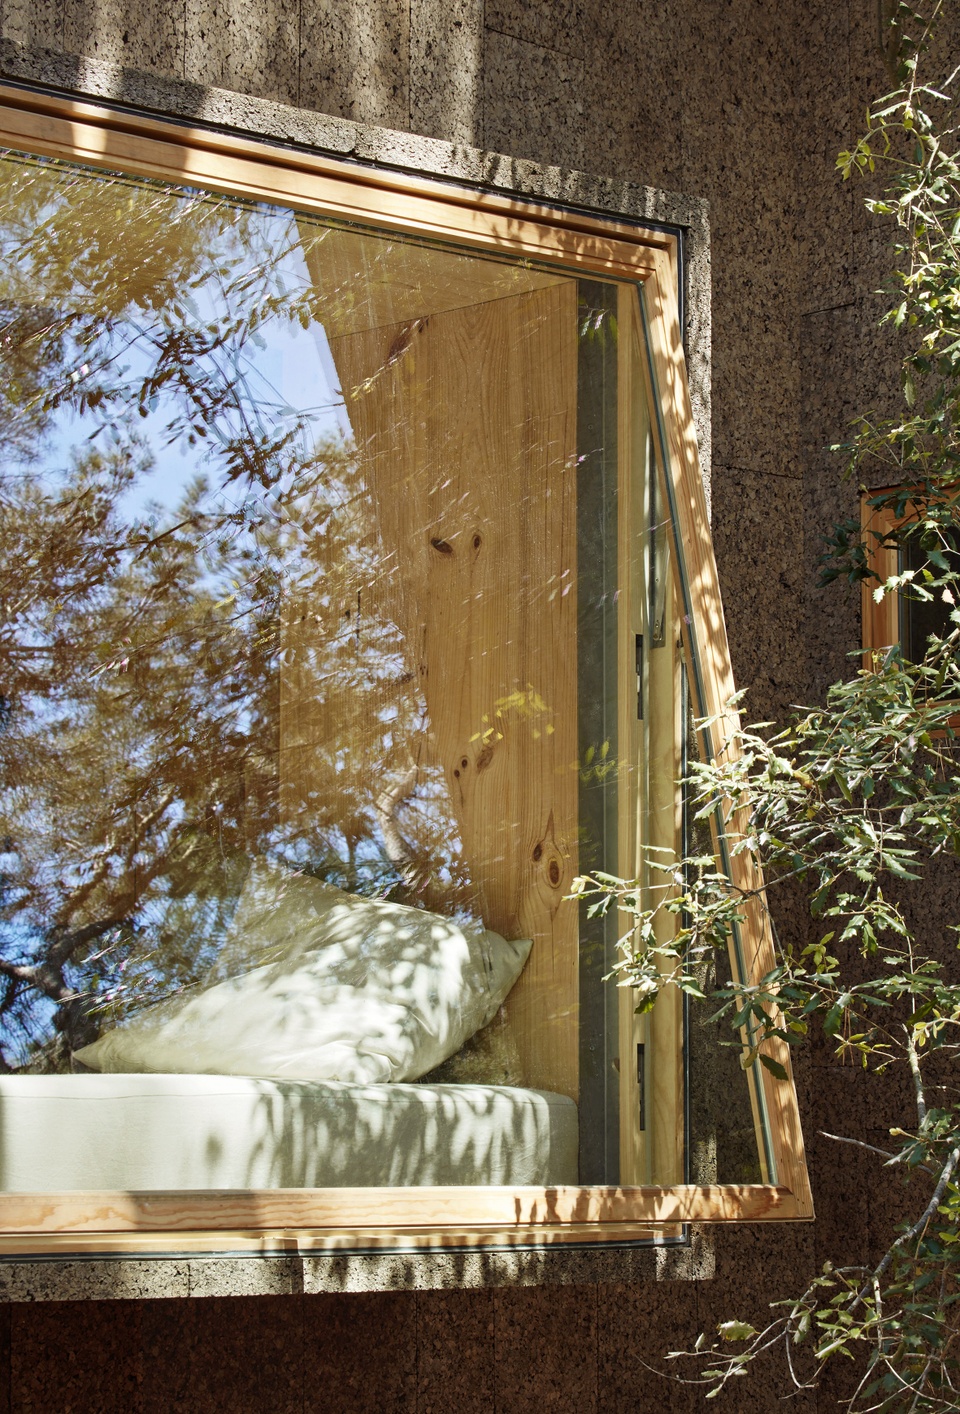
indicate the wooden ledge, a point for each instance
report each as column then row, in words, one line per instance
column 597, row 1213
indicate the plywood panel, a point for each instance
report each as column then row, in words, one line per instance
column 362, row 280
column 465, row 424
column 355, row 791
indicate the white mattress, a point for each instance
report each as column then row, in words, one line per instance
column 61, row 1132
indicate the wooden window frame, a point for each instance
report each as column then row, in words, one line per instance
column 880, row 619
column 407, row 1218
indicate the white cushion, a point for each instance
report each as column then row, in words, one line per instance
column 346, row 989
column 135, row 1132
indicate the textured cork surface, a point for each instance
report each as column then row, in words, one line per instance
column 741, row 107
column 132, row 1278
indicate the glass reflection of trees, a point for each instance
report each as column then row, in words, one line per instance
column 185, row 553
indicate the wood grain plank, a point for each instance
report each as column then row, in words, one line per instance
column 398, row 1209
column 466, row 424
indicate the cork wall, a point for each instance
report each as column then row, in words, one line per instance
column 744, row 105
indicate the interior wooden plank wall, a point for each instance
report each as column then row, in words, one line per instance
column 465, row 422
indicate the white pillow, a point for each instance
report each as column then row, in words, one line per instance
column 347, row 989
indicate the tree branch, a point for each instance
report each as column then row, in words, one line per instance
column 946, row 1173
column 913, row 1061
column 870, row 1148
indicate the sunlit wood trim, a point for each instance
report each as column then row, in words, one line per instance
column 601, row 1211
column 306, row 1243
column 708, row 655
column 84, row 132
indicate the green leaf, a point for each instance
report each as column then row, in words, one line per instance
column 833, row 1019
column 774, row 1066
column 736, row 1330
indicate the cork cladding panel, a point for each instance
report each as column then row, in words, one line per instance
column 741, row 104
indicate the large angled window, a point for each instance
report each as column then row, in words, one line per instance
column 357, row 596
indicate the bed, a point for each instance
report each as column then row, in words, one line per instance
column 69, row 1132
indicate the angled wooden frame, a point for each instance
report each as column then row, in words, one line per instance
column 311, row 1219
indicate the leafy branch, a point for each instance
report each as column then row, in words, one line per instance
column 855, row 802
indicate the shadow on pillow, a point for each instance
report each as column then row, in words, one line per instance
column 346, row 988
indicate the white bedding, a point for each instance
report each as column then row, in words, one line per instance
column 326, row 986
column 62, row 1132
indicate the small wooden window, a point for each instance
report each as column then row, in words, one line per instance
column 361, row 593
column 895, row 617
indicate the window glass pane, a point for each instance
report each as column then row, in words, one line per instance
column 339, row 636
